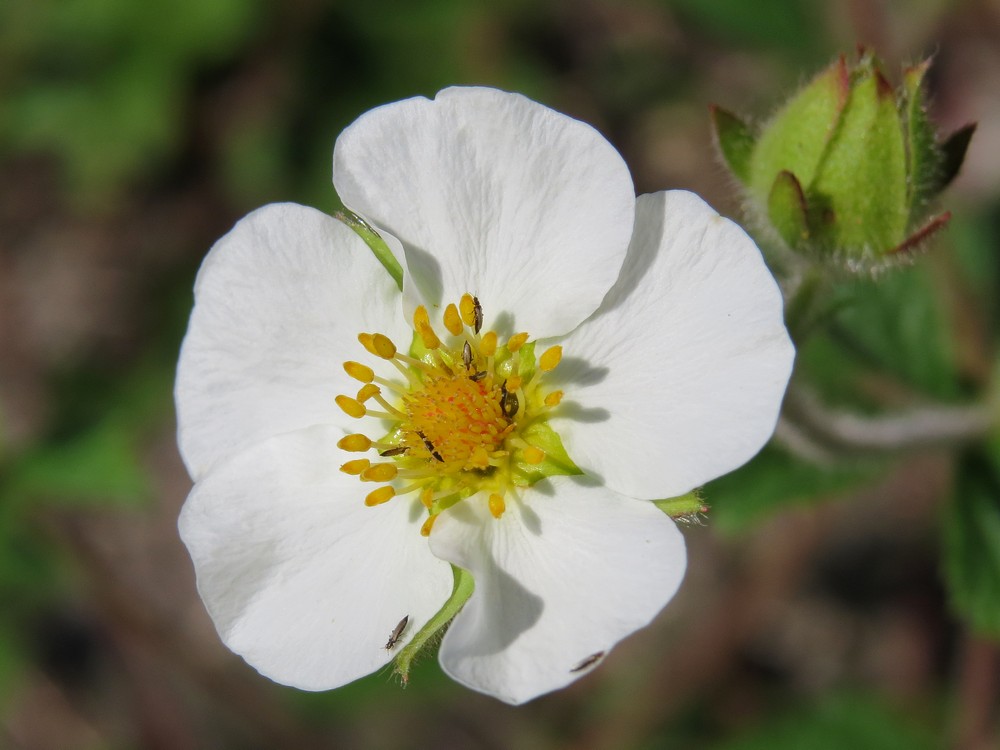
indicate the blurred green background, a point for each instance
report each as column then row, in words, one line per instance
column 817, row 612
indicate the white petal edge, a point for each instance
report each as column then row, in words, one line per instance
column 678, row 377
column 560, row 578
column 303, row 580
column 279, row 302
column 495, row 195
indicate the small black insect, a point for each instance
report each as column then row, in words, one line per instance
column 397, row 451
column 477, row 376
column 467, row 355
column 508, row 401
column 396, row 633
column 430, row 447
column 477, row 314
column 588, row 662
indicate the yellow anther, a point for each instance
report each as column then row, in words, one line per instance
column 379, row 473
column 427, row 497
column 352, row 407
column 420, row 317
column 554, row 398
column 550, row 359
column 467, row 305
column 488, row 346
column 368, row 342
column 516, row 341
column 356, row 466
column 479, row 459
column 356, row 443
column 425, row 530
column 383, row 347
column 430, row 339
column 497, row 505
column 359, row 371
column 452, row 320
column 534, row 455
column 367, row 391
column 513, row 382
column 381, row 495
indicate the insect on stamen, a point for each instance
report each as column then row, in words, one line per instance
column 467, row 355
column 430, row 447
column 478, row 376
column 477, row 314
column 397, row 632
column 397, row 451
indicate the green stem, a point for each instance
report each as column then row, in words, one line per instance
column 430, row 633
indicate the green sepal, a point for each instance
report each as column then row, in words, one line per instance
column 735, row 141
column 972, row 544
column 683, row 508
column 432, row 632
column 375, row 243
column 557, row 462
column 787, row 209
column 858, row 201
column 924, row 157
column 953, row 151
column 797, row 137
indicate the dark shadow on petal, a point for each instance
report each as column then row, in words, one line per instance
column 577, row 371
column 646, row 236
column 426, row 272
column 531, row 520
column 580, row 413
column 590, row 479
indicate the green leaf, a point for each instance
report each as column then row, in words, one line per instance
column 735, row 141
column 954, row 149
column 797, row 137
column 787, row 209
column 859, row 195
column 972, row 543
column 774, row 481
column 924, row 157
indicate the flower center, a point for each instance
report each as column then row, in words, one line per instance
column 461, row 417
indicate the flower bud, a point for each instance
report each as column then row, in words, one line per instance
column 847, row 168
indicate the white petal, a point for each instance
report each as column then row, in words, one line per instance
column 302, row 579
column 560, row 578
column 678, row 377
column 494, row 195
column 279, row 302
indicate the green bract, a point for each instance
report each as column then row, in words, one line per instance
column 847, row 168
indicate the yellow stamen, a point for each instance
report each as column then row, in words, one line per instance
column 554, row 398
column 480, row 459
column 488, row 346
column 534, row 455
column 368, row 342
column 383, row 347
column 513, row 382
column 430, row 339
column 425, row 530
column 420, row 317
column 355, row 443
column 381, row 495
column 550, row 359
column 452, row 320
column 467, row 305
column 356, row 466
column 352, row 407
column 359, row 371
column 427, row 497
column 379, row 473
column 497, row 505
column 367, row 391
column 516, row 341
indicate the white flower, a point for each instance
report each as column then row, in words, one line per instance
column 675, row 363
